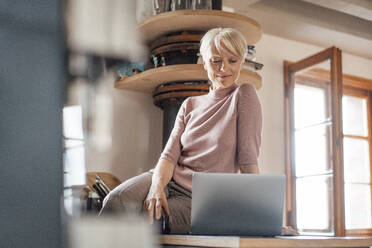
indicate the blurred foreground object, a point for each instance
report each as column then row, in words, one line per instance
column 106, row 28
column 112, row 231
column 100, row 35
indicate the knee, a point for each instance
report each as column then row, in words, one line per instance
column 111, row 203
column 128, row 196
column 121, row 200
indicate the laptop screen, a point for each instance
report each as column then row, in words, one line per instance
column 237, row 204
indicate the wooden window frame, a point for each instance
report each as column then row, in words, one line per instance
column 352, row 85
column 332, row 54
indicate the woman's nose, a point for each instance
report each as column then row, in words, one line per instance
column 223, row 66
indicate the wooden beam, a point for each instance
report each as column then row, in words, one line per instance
column 338, row 169
column 369, row 113
column 289, row 145
column 310, row 61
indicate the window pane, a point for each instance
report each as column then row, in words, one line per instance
column 72, row 122
column 72, row 143
column 311, row 151
column 354, row 115
column 356, row 160
column 74, row 166
column 313, row 199
column 357, row 206
column 309, row 105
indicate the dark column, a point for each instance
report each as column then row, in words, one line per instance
column 169, row 116
column 217, row 4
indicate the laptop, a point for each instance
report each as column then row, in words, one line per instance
column 237, row 204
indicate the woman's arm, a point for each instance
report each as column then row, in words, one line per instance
column 156, row 198
column 249, row 129
column 249, row 168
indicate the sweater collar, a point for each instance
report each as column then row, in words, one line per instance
column 221, row 93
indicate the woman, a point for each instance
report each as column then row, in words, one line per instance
column 217, row 132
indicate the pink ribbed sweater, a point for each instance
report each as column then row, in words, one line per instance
column 215, row 132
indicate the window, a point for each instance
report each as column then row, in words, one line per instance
column 73, row 157
column 357, row 163
column 313, row 174
column 328, row 147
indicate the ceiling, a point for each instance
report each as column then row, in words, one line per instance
column 346, row 24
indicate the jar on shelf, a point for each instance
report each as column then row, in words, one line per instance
column 161, row 6
column 180, row 4
column 251, row 53
column 201, row 4
column 127, row 69
column 94, row 203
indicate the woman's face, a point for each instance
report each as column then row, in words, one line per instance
column 223, row 68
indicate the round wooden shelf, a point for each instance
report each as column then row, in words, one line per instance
column 147, row 81
column 198, row 20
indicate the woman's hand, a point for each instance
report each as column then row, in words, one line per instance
column 156, row 200
column 249, row 168
column 289, row 231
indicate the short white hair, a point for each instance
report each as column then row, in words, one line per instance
column 227, row 39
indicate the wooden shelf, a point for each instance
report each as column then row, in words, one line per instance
column 198, row 20
column 147, row 81
column 189, row 20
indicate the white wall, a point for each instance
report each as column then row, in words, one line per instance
column 125, row 133
column 135, row 124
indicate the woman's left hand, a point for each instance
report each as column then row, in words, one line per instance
column 249, row 168
column 156, row 200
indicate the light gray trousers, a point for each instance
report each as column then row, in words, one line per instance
column 130, row 195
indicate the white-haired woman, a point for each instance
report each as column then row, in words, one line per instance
column 216, row 132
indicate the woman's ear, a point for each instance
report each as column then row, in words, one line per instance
column 205, row 67
column 242, row 63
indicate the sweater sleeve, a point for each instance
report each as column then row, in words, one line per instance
column 249, row 125
column 172, row 150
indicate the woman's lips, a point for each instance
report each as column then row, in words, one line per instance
column 223, row 76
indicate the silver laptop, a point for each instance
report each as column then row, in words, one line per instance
column 237, row 204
